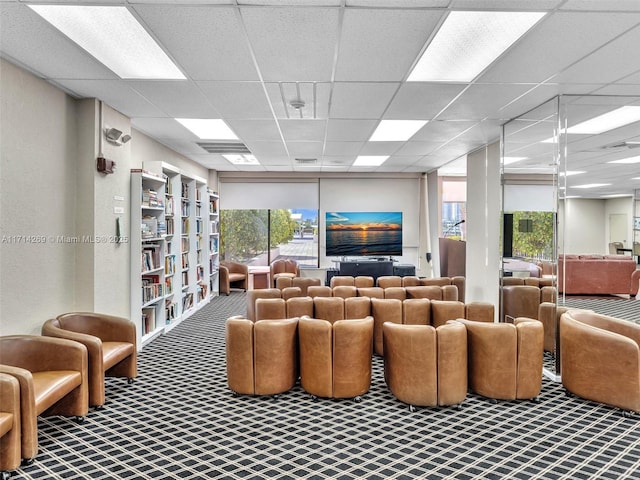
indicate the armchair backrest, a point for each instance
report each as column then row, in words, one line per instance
column 270, row 309
column 299, row 307
column 342, row 280
column 328, row 308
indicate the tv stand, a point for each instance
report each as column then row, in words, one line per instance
column 372, row 268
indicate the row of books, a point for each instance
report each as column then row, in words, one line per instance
column 187, row 302
column 148, row 320
column 170, row 310
column 150, row 198
column 150, row 257
column 151, row 288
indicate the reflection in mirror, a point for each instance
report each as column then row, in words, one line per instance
column 529, row 173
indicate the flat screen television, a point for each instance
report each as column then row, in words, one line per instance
column 353, row 234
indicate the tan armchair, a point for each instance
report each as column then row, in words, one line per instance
column 262, row 357
column 426, row 366
column 111, row 345
column 505, row 359
column 283, row 267
column 53, row 378
column 335, row 359
column 9, row 424
column 600, row 358
column 233, row 275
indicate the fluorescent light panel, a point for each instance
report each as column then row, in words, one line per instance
column 244, row 159
column 114, row 37
column 627, row 160
column 590, row 185
column 396, row 130
column 510, row 160
column 370, row 160
column 568, row 173
column 608, row 121
column 208, row 128
column 468, row 42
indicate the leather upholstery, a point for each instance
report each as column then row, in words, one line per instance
column 505, row 359
column 433, row 292
column 549, row 314
column 9, row 423
column 444, row 310
column 299, row 307
column 289, row 292
column 416, row 311
column 363, row 281
column 270, row 309
column 398, row 293
column 598, row 274
column 342, row 280
column 357, row 307
column 335, row 359
column 426, row 366
column 111, row 345
column 329, row 308
column 387, row 281
column 319, row 291
column 304, row 283
column 520, row 301
column 262, row 356
column 233, row 275
column 480, row 311
column 53, row 378
column 283, row 267
column 253, row 295
column 600, row 358
column 371, row 292
column 384, row 310
column 344, row 291
column 413, row 281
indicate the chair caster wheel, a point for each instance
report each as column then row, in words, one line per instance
column 27, row 461
column 459, row 406
column 276, row 397
column 314, row 398
column 535, row 399
column 5, row 475
column 79, row 419
column 98, row 407
column 412, row 408
column 493, row 401
column 357, row 399
column 130, row 380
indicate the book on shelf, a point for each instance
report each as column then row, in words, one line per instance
column 202, row 291
column 199, row 273
column 150, row 257
column 151, row 288
column 187, row 301
column 184, row 210
column 184, row 190
column 169, row 225
column 148, row 320
column 185, row 226
column 169, row 264
column 185, row 260
column 168, row 207
column 198, row 210
column 171, row 310
column 149, row 227
column 185, row 279
column 184, row 244
column 168, row 186
column 150, row 198
column 168, row 285
column 213, row 206
column 198, row 226
column 213, row 227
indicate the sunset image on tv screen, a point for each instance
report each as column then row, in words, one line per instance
column 363, row 233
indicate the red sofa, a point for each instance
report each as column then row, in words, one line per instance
column 598, row 274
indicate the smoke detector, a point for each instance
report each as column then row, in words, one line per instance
column 297, row 104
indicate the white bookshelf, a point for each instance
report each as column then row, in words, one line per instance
column 213, row 244
column 148, row 229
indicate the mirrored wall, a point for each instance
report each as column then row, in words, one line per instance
column 571, row 193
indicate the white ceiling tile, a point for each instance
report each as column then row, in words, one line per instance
column 303, row 130
column 274, row 160
column 237, row 99
column 305, row 149
column 361, row 100
column 380, row 148
column 602, row 5
column 176, row 98
column 527, row 5
column 305, row 3
column 613, row 61
column 350, row 130
column 36, row 44
column 203, row 2
column 185, row 147
column 255, row 130
column 166, row 128
column 421, row 101
column 393, row 37
column 267, row 149
column 558, row 41
column 481, row 101
column 533, row 97
column 293, row 44
column 417, row 148
column 116, row 94
column 442, row 131
column 338, row 160
column 207, row 43
column 342, row 148
column 398, row 3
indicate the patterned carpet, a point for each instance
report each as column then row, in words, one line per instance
column 180, row 421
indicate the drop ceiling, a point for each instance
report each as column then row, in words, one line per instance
column 348, row 60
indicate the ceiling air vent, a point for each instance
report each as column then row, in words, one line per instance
column 306, row 161
column 224, row 147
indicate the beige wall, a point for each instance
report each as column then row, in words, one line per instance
column 57, row 212
column 38, row 138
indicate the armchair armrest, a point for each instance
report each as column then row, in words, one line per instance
column 108, row 328
column 28, row 415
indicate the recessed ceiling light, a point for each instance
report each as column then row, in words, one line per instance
column 370, row 160
column 608, row 121
column 113, row 36
column 568, row 173
column 627, row 160
column 468, row 42
column 396, row 130
column 208, row 128
column 590, row 185
column 510, row 160
column 243, row 159
column 616, row 195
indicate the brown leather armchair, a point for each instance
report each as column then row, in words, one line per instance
column 283, row 267
column 253, row 295
column 233, row 275
column 262, row 357
column 426, row 366
column 9, row 424
column 335, row 359
column 384, row 310
column 505, row 359
column 524, row 300
column 111, row 344
column 330, row 309
column 600, row 358
column 270, row 309
column 304, row 283
column 342, row 281
column 53, row 378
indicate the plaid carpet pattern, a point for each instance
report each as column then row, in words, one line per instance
column 180, row 421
